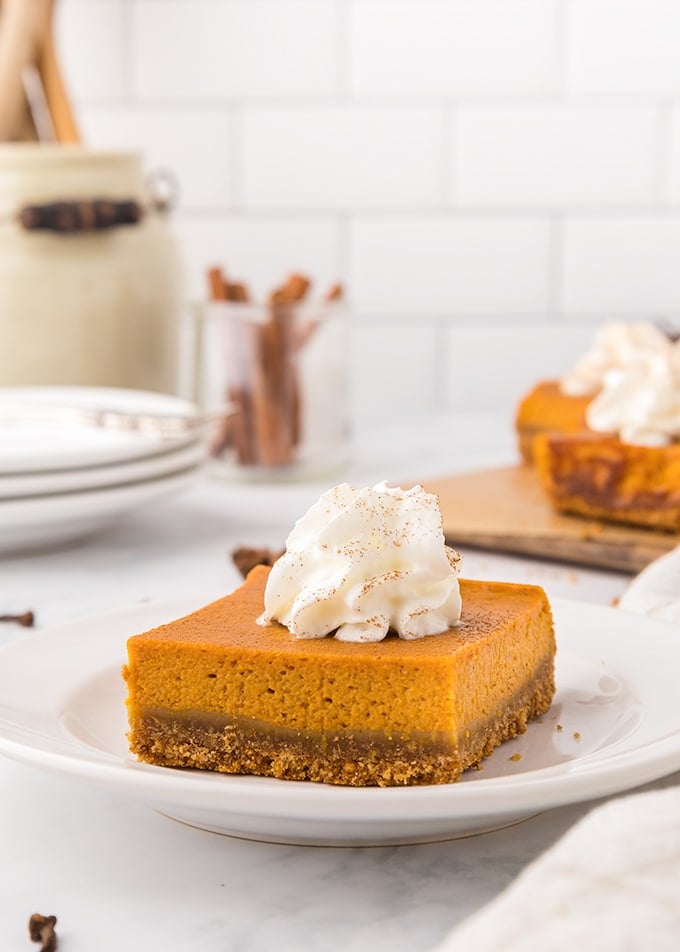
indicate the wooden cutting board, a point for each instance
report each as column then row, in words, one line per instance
column 507, row 511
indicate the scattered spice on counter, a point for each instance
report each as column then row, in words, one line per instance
column 245, row 558
column 25, row 619
column 41, row 929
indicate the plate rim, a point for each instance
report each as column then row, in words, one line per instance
column 32, row 524
column 99, row 494
column 89, row 396
column 124, row 473
column 597, row 773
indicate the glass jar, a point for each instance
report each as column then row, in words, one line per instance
column 280, row 373
column 97, row 308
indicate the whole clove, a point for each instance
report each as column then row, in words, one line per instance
column 41, row 929
column 672, row 331
column 246, row 558
column 25, row 619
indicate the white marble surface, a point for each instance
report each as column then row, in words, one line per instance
column 119, row 876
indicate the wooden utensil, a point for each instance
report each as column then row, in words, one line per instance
column 27, row 52
column 20, row 38
column 63, row 120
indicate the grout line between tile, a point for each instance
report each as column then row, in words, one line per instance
column 562, row 14
column 663, row 169
column 556, row 264
column 457, row 213
column 449, row 156
column 441, row 340
column 236, row 159
column 342, row 47
column 344, row 255
column 397, row 101
column 128, row 58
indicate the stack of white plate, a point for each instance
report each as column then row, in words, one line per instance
column 73, row 459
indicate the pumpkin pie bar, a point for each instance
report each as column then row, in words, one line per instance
column 547, row 409
column 606, row 439
column 605, row 478
column 571, row 405
column 217, row 691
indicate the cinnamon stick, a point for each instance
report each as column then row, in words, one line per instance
column 334, row 293
column 292, row 291
column 265, row 409
column 237, row 292
column 236, row 429
column 306, row 330
column 239, row 332
column 285, row 322
column 217, row 284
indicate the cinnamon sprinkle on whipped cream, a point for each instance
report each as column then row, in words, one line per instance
column 362, row 562
column 616, row 347
column 633, row 374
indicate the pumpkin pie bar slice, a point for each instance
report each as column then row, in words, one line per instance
column 605, row 478
column 216, row 691
column 564, row 407
column 547, row 409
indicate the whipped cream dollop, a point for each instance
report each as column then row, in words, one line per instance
column 616, row 347
column 363, row 561
column 640, row 403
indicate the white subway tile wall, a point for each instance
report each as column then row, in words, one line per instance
column 623, row 46
column 442, row 49
column 556, row 155
column 490, row 179
column 342, row 157
column 449, row 265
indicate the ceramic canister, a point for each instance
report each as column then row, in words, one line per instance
column 92, row 307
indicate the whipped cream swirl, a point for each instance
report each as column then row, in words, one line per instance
column 641, row 403
column 616, row 346
column 363, row 561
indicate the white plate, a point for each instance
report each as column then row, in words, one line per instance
column 40, row 521
column 62, row 709
column 98, row 477
column 42, row 446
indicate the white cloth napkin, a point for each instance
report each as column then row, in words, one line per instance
column 656, row 591
column 612, row 883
